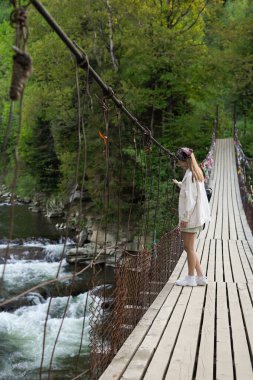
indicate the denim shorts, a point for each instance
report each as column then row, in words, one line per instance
column 192, row 230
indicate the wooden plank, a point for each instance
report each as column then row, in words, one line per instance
column 232, row 226
column 178, row 268
column 212, row 183
column 166, row 339
column 233, row 194
column 183, row 359
column 218, row 224
column 206, row 349
column 211, row 262
column 126, row 352
column 245, row 263
column 219, row 275
column 236, row 263
column 224, row 360
column 250, row 287
column 247, row 311
column 205, row 256
column 159, row 362
column 210, row 233
column 242, row 359
column 140, row 360
column 225, row 227
column 248, row 253
column 226, row 262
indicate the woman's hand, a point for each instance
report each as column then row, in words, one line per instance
column 175, row 182
column 183, row 224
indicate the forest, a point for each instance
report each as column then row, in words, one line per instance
column 176, row 65
column 89, row 231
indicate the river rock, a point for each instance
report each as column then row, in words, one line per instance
column 87, row 249
column 38, row 203
column 82, row 237
column 54, row 214
column 28, row 300
column 23, row 253
column 82, row 254
column 60, row 226
column 99, row 236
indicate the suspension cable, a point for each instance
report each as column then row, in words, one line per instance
column 83, row 62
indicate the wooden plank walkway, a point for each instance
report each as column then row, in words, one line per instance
column 202, row 332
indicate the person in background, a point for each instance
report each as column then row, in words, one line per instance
column 194, row 212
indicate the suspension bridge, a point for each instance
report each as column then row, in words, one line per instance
column 201, row 333
column 148, row 328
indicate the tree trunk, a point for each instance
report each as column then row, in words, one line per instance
column 110, row 24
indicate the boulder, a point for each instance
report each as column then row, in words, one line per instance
column 82, row 237
column 87, row 250
column 54, row 214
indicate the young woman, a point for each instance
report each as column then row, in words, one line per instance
column 194, row 211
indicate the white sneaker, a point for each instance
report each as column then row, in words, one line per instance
column 201, row 280
column 187, row 281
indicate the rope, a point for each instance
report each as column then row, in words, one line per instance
column 80, row 130
column 48, row 282
column 22, row 63
column 83, row 62
column 13, row 190
column 143, row 141
column 82, row 332
column 157, row 199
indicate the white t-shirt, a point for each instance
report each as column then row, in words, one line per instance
column 193, row 204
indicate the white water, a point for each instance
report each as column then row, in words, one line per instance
column 24, row 274
column 9, row 204
column 22, row 331
column 21, row 334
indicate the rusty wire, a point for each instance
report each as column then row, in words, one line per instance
column 139, row 277
column 81, row 150
column 245, row 178
column 139, row 274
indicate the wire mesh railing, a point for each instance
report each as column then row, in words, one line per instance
column 133, row 195
column 139, row 277
column 245, row 177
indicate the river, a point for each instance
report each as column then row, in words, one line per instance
column 33, row 258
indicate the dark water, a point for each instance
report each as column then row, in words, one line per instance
column 26, row 223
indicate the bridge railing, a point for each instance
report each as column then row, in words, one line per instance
column 139, row 277
column 245, row 177
column 131, row 188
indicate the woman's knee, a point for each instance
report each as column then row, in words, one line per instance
column 190, row 252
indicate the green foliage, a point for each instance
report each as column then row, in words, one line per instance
column 26, row 185
column 171, row 64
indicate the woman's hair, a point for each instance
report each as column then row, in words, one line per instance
column 187, row 155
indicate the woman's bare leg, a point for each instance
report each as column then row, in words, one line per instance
column 192, row 257
column 198, row 266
